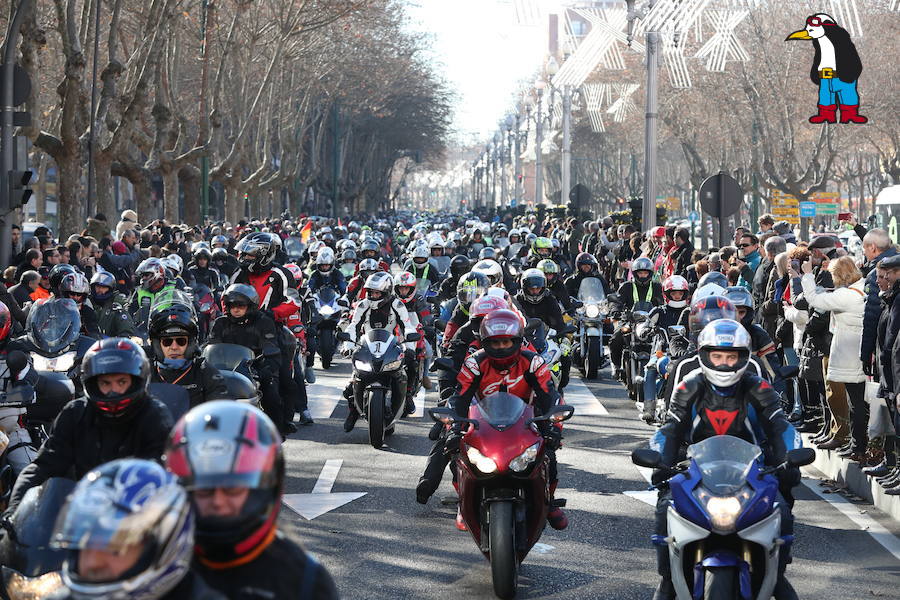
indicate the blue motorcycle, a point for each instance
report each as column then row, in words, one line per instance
column 724, row 523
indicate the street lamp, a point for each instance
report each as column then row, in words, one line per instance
column 566, row 159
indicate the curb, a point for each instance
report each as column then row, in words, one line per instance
column 849, row 475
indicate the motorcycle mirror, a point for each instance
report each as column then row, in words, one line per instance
column 577, row 303
column 645, row 457
column 440, row 324
column 342, row 336
column 614, row 298
column 799, row 457
column 16, row 361
column 442, row 415
column 561, row 413
column 343, row 302
column 413, row 337
column 533, row 324
column 442, row 364
column 654, row 318
column 639, row 316
column 677, row 330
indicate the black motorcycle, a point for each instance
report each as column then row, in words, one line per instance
column 326, row 311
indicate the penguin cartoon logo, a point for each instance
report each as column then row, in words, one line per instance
column 835, row 69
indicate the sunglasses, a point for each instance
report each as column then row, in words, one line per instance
column 178, row 341
column 744, row 245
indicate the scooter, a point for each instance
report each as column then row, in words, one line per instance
column 724, row 523
column 502, row 480
column 378, row 365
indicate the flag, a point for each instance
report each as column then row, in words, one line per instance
column 306, row 232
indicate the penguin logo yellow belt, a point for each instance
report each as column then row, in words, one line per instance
column 827, row 73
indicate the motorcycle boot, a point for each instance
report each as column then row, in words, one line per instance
column 353, row 415
column 555, row 516
column 665, row 590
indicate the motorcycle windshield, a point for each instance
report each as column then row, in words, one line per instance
column 227, row 356
column 591, row 291
column 348, row 269
column 293, row 247
column 382, row 336
column 724, row 462
column 53, row 325
column 442, row 263
column 501, row 409
column 171, row 298
column 327, row 296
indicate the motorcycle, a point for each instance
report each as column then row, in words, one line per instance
column 30, row 566
column 378, row 363
column 206, row 308
column 502, row 480
column 325, row 318
column 294, row 248
column 234, row 362
column 589, row 355
column 545, row 344
column 724, row 523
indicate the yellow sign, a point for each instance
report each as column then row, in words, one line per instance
column 785, row 207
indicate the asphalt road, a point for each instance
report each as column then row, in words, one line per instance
column 385, row 545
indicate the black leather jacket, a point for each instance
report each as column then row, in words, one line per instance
column 202, row 381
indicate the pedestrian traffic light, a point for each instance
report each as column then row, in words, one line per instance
column 19, row 192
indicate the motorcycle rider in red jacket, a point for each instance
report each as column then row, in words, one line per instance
column 503, row 365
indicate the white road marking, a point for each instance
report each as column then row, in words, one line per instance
column 540, row 548
column 420, row 404
column 866, row 523
column 321, row 500
column 324, row 395
column 645, row 496
column 585, row 402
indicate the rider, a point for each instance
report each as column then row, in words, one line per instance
column 326, row 275
column 154, row 282
column 641, row 290
column 469, row 288
column 129, row 529
column 503, row 362
column 201, row 270
column 175, row 358
column 237, row 495
column 109, row 304
column 378, row 310
column 423, row 269
column 365, row 268
column 459, row 266
column 118, row 418
column 224, row 262
column 75, row 287
column 537, row 302
column 722, row 399
column 760, row 341
column 555, row 284
column 585, row 266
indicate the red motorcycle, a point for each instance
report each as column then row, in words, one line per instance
column 502, row 480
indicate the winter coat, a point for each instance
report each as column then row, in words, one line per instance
column 846, row 305
column 96, row 229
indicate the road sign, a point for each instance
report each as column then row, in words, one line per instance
column 808, row 209
column 321, row 500
column 693, row 216
column 673, row 204
column 827, row 203
column 720, row 195
column 785, row 207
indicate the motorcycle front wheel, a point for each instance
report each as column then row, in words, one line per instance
column 592, row 360
column 504, row 568
column 326, row 347
column 721, row 584
column 376, row 418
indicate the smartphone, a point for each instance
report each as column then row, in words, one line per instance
column 795, row 265
column 844, row 216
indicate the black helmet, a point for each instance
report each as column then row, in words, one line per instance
column 534, row 279
column 706, row 310
column 585, row 258
column 242, row 294
column 741, row 297
column 257, row 251
column 174, row 319
column 220, row 255
column 53, row 324
column 116, row 355
column 713, row 277
column 202, row 252
column 56, row 276
column 460, row 265
column 642, row 264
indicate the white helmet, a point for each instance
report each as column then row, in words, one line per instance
column 421, row 251
column 724, row 335
column 325, row 256
column 174, row 263
column 676, row 283
column 710, row 289
column 382, row 284
column 491, row 270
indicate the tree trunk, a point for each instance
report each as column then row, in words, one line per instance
column 68, row 188
column 170, row 193
column 189, row 178
column 103, row 189
column 234, row 204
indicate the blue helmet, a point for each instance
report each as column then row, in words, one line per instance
column 120, row 505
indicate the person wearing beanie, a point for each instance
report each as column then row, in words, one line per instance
column 128, row 221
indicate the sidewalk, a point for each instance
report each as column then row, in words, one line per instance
column 849, row 475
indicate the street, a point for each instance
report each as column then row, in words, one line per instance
column 384, row 545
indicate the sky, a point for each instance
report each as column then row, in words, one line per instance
column 483, row 53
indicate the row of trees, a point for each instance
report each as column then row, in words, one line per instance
column 283, row 98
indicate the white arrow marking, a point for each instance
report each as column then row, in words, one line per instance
column 543, row 548
column 586, row 404
column 321, row 500
column 645, row 496
column 420, row 404
column 324, row 395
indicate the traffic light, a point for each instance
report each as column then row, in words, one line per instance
column 19, row 192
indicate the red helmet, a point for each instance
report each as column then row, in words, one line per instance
column 486, row 305
column 502, row 324
column 297, row 272
column 676, row 283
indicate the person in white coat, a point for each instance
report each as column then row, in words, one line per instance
column 846, row 302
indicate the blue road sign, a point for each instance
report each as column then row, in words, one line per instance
column 807, row 209
column 694, row 216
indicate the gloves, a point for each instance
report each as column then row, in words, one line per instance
column 661, row 475
column 17, row 363
column 347, row 350
column 451, row 442
column 267, row 369
column 869, row 367
column 552, row 435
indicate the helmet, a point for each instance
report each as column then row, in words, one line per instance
column 405, row 286
column 219, row 241
column 487, row 304
column 257, row 251
column 711, row 289
column 116, row 355
column 706, row 310
column 219, row 255
column 120, row 504
column 470, row 287
column 242, row 295
column 487, row 253
column 460, row 265
column 723, row 335
column 173, row 263
column 368, row 265
column 5, row 323
column 530, row 238
column 74, row 286
column 314, row 249
column 514, row 232
column 543, row 247
column 491, row 270
column 501, row 324
column 534, row 279
column 676, row 283
column 197, row 245
column 642, row 264
column 296, row 271
column 328, row 239
column 152, row 274
column 174, row 319
column 325, row 260
column 53, row 324
column 713, row 277
column 420, row 254
column 438, row 245
column 56, row 276
column 585, row 258
column 550, row 270
column 230, row 444
column 381, row 284
column 741, row 298
column 348, row 256
column 202, row 252
column 369, row 249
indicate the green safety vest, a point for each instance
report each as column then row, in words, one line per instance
column 634, row 291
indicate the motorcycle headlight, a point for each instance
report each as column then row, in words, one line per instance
column 361, row 366
column 480, row 461
column 592, row 311
column 326, row 311
column 205, row 307
column 723, row 511
column 393, row 365
column 524, row 460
